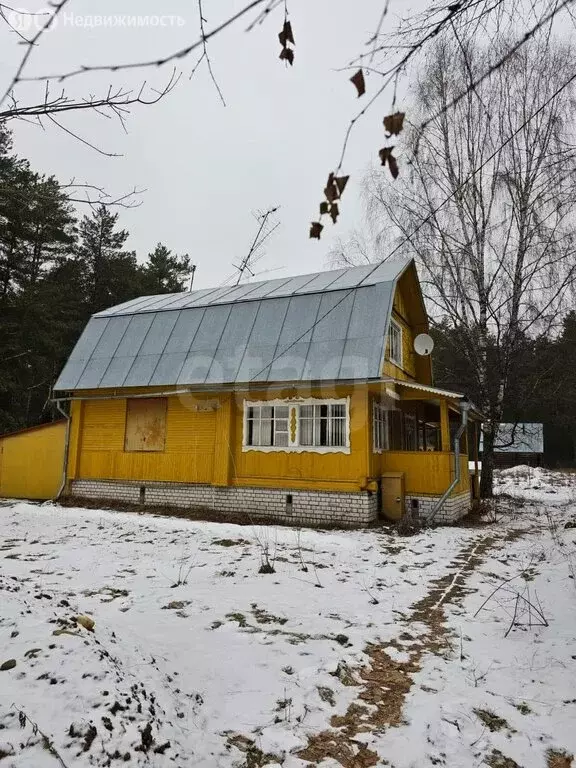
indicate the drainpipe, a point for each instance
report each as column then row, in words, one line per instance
column 66, row 449
column 464, row 408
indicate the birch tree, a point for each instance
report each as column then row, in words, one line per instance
column 489, row 208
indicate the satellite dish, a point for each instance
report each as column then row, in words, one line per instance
column 423, row 344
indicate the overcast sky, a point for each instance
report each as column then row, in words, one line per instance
column 206, row 167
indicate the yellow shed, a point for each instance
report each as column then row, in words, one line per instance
column 32, row 462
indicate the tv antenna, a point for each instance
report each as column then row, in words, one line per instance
column 267, row 225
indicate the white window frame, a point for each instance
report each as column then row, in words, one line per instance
column 397, row 327
column 294, row 412
column 273, row 422
column 380, row 417
column 316, row 420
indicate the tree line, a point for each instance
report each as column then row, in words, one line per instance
column 56, row 269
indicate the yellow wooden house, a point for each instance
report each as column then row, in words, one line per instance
column 298, row 399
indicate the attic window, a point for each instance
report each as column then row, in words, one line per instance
column 395, row 343
column 145, row 424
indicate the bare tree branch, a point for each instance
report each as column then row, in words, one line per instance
column 58, row 6
column 116, row 100
column 205, row 52
column 179, row 54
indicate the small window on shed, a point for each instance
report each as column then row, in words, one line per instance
column 145, row 424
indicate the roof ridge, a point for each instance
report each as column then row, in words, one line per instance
column 314, row 282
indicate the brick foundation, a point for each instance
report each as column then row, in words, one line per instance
column 452, row 510
column 312, row 508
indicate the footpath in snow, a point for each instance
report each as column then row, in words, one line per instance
column 455, row 647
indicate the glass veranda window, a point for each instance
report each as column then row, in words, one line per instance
column 380, row 428
column 410, row 432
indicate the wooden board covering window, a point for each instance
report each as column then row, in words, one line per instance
column 145, row 424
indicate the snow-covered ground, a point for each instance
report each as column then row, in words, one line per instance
column 360, row 648
column 537, row 484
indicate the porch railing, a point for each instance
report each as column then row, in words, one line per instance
column 426, row 472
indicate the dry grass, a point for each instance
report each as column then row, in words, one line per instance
column 558, row 759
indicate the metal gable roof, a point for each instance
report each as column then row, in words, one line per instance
column 325, row 326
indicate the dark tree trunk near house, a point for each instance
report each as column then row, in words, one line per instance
column 487, row 473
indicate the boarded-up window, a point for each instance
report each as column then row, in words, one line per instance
column 145, row 424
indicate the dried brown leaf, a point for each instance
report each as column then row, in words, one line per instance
column 286, row 36
column 387, row 158
column 334, row 212
column 323, row 207
column 288, row 55
column 384, row 154
column 394, row 123
column 331, row 192
column 358, row 80
column 341, row 182
column 393, row 165
column 316, row 229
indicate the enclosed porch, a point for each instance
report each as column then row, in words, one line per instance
column 423, row 442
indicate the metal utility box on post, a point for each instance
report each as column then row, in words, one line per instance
column 393, row 495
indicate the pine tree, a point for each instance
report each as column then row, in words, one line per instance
column 165, row 272
column 16, row 194
column 50, row 284
column 53, row 229
column 37, row 231
column 112, row 274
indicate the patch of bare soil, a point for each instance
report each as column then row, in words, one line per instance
column 253, row 757
column 497, row 760
column 386, row 682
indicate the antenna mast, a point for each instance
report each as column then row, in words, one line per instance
column 265, row 229
column 192, row 273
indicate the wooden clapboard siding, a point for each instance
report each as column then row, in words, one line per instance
column 409, row 313
column 188, row 453
column 320, row 471
column 103, row 425
column 32, row 462
column 203, row 444
column 426, row 472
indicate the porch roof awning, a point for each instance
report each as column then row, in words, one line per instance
column 425, row 388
